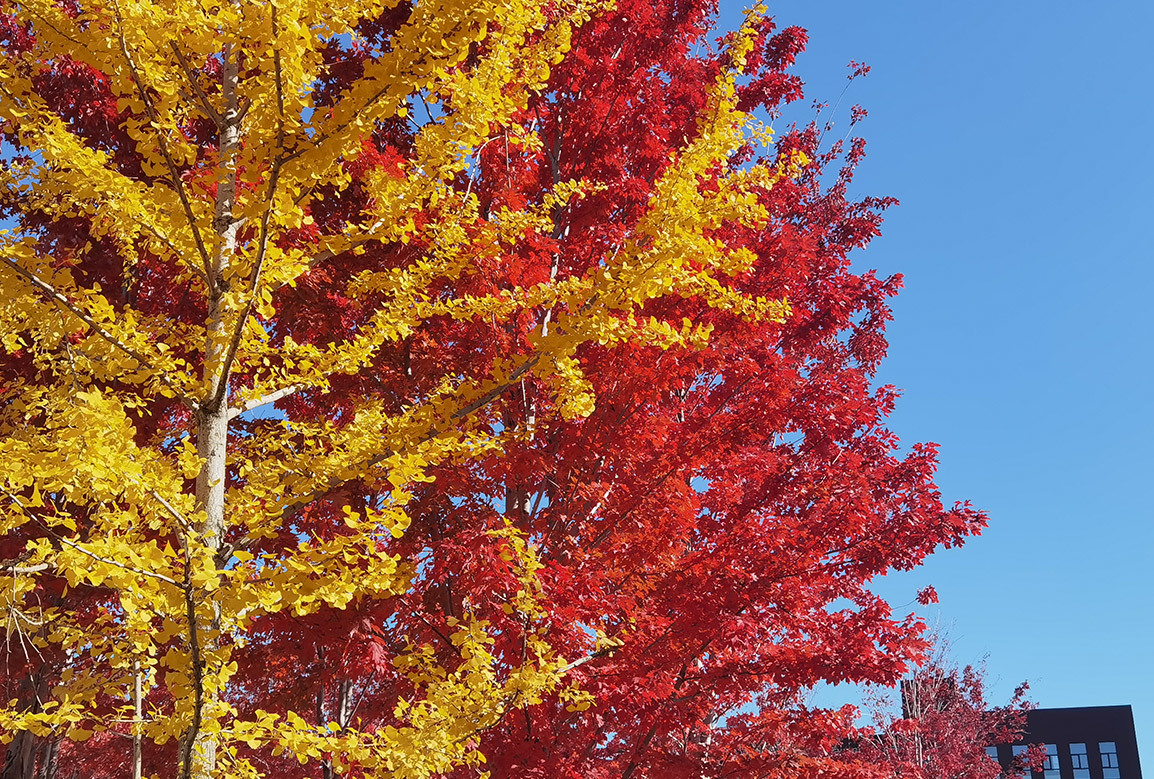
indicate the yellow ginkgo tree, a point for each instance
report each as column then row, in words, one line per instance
column 246, row 266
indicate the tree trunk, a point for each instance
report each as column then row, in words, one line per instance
column 20, row 760
column 47, row 766
column 212, row 416
column 343, row 714
column 137, row 710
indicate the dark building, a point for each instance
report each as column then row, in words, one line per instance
column 1094, row 742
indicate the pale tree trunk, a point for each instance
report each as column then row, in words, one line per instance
column 212, row 416
column 137, row 723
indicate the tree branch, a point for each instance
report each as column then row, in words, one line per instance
column 173, row 170
column 264, row 400
column 82, row 550
column 262, row 243
column 185, row 523
column 117, row 563
column 459, row 414
column 188, row 739
column 84, row 317
column 254, row 283
column 14, row 568
column 328, row 254
column 202, row 98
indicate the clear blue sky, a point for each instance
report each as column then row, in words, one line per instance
column 1017, row 136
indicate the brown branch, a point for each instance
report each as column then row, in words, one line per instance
column 205, row 104
column 188, row 739
column 170, row 163
column 83, row 316
column 459, row 414
column 587, row 659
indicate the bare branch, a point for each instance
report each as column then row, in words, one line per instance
column 13, row 568
column 264, row 400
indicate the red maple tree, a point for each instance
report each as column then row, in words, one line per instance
column 709, row 534
column 945, row 725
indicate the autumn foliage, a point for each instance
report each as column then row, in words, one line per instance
column 943, row 724
column 418, row 389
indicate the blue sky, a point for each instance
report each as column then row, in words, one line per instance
column 1017, row 136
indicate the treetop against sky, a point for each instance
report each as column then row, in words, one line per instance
column 400, row 389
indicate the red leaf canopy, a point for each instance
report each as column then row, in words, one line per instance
column 709, row 533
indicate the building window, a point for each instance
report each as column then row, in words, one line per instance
column 992, row 753
column 1020, row 763
column 1109, row 752
column 1080, row 761
column 1050, row 768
